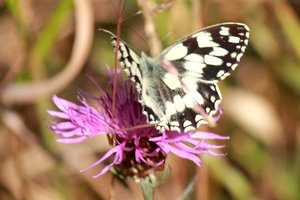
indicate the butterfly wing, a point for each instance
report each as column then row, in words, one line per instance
column 129, row 60
column 194, row 65
column 130, row 63
column 209, row 54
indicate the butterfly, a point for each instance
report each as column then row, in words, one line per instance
column 178, row 88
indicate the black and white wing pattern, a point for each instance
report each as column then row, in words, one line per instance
column 178, row 89
column 210, row 54
column 129, row 60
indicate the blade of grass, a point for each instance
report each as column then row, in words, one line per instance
column 15, row 9
column 289, row 23
column 233, row 180
column 47, row 37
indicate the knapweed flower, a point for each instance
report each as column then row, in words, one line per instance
column 137, row 147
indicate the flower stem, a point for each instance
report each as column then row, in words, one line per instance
column 148, row 188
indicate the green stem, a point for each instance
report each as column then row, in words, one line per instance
column 148, row 188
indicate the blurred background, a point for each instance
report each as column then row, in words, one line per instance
column 50, row 46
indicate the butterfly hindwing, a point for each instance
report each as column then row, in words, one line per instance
column 187, row 107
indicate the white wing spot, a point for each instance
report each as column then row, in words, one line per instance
column 190, row 83
column 174, row 123
column 127, row 63
column 179, row 104
column 119, row 54
column 239, row 57
column 220, row 73
column 135, row 70
column 170, row 109
column 243, row 49
column 194, row 57
column 213, row 88
column 122, row 47
column 188, row 101
column 142, row 102
column 197, row 97
column 207, row 109
column 228, row 64
column 204, row 39
column 198, row 118
column 233, row 54
column 234, row 66
column 152, row 117
column 134, row 56
column 201, row 122
column 192, row 74
column 145, row 113
column 172, row 81
column 187, row 123
column 124, row 53
column 213, row 98
column 138, row 87
column 218, row 51
column 224, row 31
column 175, row 128
column 225, row 75
column 233, row 39
column 194, row 66
column 212, row 60
column 189, row 128
column 176, row 52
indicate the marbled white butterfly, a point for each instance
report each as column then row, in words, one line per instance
column 172, row 98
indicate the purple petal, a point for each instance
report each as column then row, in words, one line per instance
column 184, row 154
column 208, row 136
column 104, row 170
column 71, row 140
column 58, row 114
column 108, row 154
column 63, row 104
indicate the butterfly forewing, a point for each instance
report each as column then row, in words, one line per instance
column 210, row 54
column 178, row 89
column 129, row 61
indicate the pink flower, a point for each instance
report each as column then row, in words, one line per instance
column 138, row 148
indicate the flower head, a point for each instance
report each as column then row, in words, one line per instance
column 137, row 147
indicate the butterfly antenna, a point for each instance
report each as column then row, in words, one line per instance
column 119, row 10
